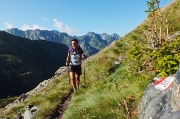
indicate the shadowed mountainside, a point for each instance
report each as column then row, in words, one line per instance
column 24, row 63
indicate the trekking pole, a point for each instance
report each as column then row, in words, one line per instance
column 84, row 73
column 68, row 74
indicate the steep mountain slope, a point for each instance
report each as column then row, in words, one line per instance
column 116, row 77
column 114, row 90
column 98, row 41
column 94, row 40
column 25, row 63
column 88, row 49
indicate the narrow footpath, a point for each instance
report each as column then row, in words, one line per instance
column 60, row 109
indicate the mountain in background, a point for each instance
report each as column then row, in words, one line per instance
column 91, row 42
column 121, row 80
column 25, row 63
column 31, row 56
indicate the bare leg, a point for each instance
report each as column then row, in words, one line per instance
column 77, row 80
column 73, row 79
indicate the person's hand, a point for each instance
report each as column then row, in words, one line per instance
column 83, row 57
column 67, row 63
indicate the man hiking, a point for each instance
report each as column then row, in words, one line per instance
column 74, row 59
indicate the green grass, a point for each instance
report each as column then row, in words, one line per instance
column 109, row 91
column 106, row 98
column 114, row 92
column 46, row 100
column 4, row 102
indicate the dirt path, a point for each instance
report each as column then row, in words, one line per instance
column 58, row 112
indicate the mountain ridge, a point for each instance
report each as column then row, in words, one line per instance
column 96, row 41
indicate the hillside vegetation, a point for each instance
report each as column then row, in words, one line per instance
column 112, row 91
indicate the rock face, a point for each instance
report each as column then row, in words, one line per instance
column 159, row 104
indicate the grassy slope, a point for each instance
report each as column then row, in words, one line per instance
column 118, row 94
column 112, row 96
column 110, row 91
column 46, row 99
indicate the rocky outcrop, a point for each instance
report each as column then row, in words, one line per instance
column 161, row 104
column 30, row 109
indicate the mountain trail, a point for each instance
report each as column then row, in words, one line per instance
column 62, row 106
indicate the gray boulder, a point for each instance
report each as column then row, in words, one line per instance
column 161, row 104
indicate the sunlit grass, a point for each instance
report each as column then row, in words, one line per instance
column 46, row 100
column 11, row 113
column 108, row 91
column 105, row 98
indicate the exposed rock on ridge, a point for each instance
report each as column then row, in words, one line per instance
column 30, row 108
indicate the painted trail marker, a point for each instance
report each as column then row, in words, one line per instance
column 164, row 83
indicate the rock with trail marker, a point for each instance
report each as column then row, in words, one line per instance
column 161, row 99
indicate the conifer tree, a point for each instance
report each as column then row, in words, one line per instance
column 154, row 29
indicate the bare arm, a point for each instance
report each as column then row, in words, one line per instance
column 68, row 59
column 82, row 56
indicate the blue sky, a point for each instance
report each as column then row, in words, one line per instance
column 75, row 17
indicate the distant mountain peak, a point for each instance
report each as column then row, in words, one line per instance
column 92, row 42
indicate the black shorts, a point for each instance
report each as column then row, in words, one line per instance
column 77, row 69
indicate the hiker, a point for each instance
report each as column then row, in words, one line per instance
column 74, row 59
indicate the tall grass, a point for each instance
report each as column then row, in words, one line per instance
column 109, row 91
column 46, row 100
column 113, row 97
column 114, row 91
